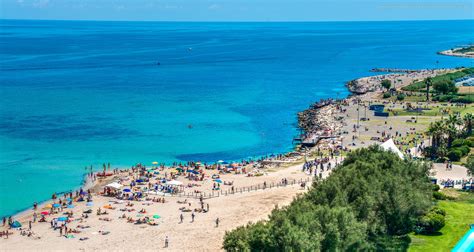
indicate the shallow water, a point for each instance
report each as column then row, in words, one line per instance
column 77, row 93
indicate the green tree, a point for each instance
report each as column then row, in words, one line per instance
column 468, row 118
column 387, row 84
column 372, row 197
column 428, row 82
column 470, row 165
column 445, row 87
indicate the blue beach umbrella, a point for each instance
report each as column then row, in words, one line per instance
column 139, row 181
column 126, row 190
column 62, row 219
column 70, row 206
column 89, row 204
column 218, row 180
column 56, row 205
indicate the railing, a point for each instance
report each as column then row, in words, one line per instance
column 239, row 190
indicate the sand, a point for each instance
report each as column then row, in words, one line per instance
column 233, row 210
column 202, row 235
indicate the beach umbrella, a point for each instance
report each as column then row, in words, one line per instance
column 126, row 190
column 156, row 172
column 56, row 205
column 62, row 219
column 139, row 215
column 220, row 161
column 70, row 206
column 49, row 206
column 83, row 193
column 154, row 163
column 44, row 213
column 218, row 180
column 89, row 204
column 139, row 181
column 156, row 216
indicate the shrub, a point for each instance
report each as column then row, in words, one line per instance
column 435, row 187
column 438, row 210
column 439, row 195
column 401, row 97
column 462, row 142
column 432, row 222
column 455, row 155
column 386, row 95
column 464, row 149
column 462, row 99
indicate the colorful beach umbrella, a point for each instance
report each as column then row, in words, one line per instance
column 218, row 180
column 44, row 213
column 156, row 216
column 56, row 205
column 126, row 190
column 49, row 206
column 62, row 219
column 70, row 206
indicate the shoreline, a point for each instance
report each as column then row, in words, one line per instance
column 321, row 111
column 328, row 122
column 455, row 52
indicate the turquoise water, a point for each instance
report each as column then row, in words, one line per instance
column 83, row 93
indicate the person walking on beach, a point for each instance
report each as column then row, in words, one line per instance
column 34, row 216
column 217, row 222
column 181, row 217
column 192, row 217
column 29, row 224
column 166, row 242
column 4, row 221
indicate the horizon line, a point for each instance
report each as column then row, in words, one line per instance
column 233, row 21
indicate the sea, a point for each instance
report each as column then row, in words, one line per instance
column 81, row 93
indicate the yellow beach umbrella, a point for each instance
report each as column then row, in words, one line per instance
column 154, row 162
column 49, row 206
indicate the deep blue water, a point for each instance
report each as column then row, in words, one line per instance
column 78, row 93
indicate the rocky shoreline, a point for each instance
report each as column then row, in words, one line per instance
column 322, row 121
column 456, row 52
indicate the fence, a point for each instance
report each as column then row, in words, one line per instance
column 230, row 191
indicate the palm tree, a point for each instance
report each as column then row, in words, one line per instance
column 452, row 127
column 428, row 84
column 468, row 123
column 436, row 131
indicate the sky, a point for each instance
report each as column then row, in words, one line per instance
column 238, row 10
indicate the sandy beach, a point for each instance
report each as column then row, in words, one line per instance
column 242, row 197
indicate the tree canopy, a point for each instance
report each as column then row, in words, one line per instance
column 370, row 198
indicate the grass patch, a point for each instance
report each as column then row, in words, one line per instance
column 420, row 85
column 459, row 214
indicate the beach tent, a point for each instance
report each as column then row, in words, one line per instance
column 389, row 145
column 174, row 182
column 114, row 185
